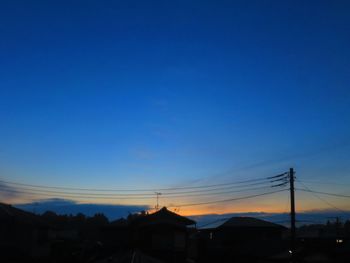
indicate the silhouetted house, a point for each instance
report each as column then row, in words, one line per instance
column 116, row 235
column 62, row 229
column 134, row 256
column 240, row 237
column 322, row 232
column 163, row 234
column 330, row 240
column 22, row 234
column 249, row 228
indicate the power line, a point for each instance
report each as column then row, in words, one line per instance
column 131, row 190
column 223, row 185
column 115, row 196
column 81, row 196
column 320, row 198
column 324, row 193
column 40, row 190
column 323, row 182
column 215, row 190
column 277, row 176
column 228, row 200
column 234, row 191
column 205, row 190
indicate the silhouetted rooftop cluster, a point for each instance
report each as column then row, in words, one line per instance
column 162, row 236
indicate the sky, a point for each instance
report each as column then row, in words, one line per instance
column 152, row 94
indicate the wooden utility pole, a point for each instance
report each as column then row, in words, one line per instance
column 292, row 212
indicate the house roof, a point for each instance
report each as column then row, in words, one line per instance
column 249, row 222
column 10, row 213
column 130, row 256
column 164, row 216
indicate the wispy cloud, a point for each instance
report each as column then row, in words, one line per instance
column 8, row 192
column 143, row 153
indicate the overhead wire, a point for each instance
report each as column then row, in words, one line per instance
column 140, row 190
column 224, row 189
column 262, row 184
column 314, row 193
column 116, row 197
column 323, row 182
column 227, row 200
column 324, row 193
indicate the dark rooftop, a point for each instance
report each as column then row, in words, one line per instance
column 164, row 216
column 249, row 222
column 10, row 213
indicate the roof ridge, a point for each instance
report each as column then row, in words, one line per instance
column 3, row 206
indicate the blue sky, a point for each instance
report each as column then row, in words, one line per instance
column 161, row 93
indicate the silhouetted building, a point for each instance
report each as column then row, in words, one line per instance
column 326, row 241
column 134, row 256
column 22, row 234
column 163, row 234
column 116, row 235
column 240, row 238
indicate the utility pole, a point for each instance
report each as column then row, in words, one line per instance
column 157, row 194
column 292, row 213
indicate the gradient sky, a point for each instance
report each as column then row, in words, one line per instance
column 135, row 94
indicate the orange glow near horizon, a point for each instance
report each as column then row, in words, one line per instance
column 273, row 204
